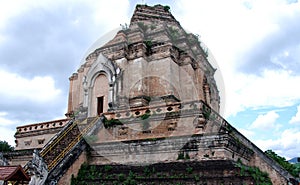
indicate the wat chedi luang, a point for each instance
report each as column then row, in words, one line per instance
column 144, row 109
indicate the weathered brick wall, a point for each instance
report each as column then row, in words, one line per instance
column 277, row 174
column 37, row 135
column 201, row 147
column 217, row 172
column 19, row 158
column 271, row 167
column 73, row 170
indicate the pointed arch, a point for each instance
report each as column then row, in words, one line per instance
column 100, row 77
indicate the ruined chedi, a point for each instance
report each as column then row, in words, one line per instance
column 147, row 99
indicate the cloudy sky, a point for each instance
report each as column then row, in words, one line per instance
column 255, row 42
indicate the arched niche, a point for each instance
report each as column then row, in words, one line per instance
column 99, row 82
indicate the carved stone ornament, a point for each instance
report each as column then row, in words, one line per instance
column 171, row 126
column 37, row 169
column 200, row 122
column 123, row 131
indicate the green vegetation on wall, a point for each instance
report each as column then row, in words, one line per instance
column 111, row 123
column 293, row 169
column 174, row 34
column 143, row 26
column 174, row 173
column 107, row 174
column 167, row 8
column 148, row 44
column 259, row 176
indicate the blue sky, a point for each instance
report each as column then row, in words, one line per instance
column 256, row 44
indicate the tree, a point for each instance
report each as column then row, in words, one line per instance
column 293, row 169
column 5, row 147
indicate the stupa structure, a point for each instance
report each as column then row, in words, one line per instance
column 144, row 109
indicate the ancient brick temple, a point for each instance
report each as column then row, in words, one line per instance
column 144, row 109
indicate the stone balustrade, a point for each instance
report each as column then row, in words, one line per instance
column 183, row 107
column 42, row 126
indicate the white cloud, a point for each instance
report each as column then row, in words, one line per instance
column 6, row 135
column 288, row 145
column 38, row 97
column 296, row 119
column 37, row 89
column 112, row 12
column 265, row 121
column 236, row 28
column 4, row 121
column 233, row 25
column 246, row 132
column 9, row 9
column 104, row 13
column 271, row 89
column 233, row 31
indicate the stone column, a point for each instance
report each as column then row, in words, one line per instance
column 207, row 94
column 85, row 92
column 70, row 99
column 89, row 101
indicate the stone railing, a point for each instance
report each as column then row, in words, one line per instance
column 42, row 126
column 64, row 148
column 71, row 152
column 57, row 138
column 18, row 153
column 70, row 139
column 184, row 108
column 240, row 137
column 227, row 128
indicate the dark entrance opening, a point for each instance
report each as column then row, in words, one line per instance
column 100, row 101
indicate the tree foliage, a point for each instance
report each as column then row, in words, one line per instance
column 293, row 169
column 5, row 147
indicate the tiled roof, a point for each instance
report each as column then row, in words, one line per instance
column 13, row 173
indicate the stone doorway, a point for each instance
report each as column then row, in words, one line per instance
column 100, row 104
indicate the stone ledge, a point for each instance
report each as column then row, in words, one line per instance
column 42, row 126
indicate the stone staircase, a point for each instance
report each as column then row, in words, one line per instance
column 63, row 149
